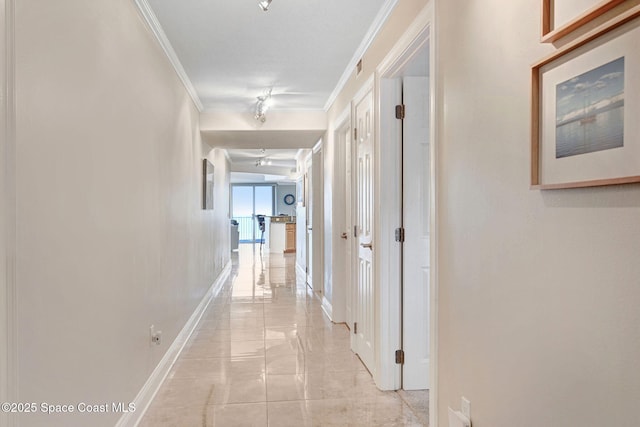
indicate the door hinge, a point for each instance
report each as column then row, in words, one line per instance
column 399, row 234
column 400, row 112
column 355, row 327
column 355, row 231
column 400, row 357
column 355, row 134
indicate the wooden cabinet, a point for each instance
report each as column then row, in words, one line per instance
column 290, row 241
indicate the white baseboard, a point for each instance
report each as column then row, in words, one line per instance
column 327, row 308
column 157, row 377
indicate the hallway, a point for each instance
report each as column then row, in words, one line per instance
column 264, row 353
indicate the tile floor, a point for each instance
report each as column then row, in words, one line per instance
column 264, row 354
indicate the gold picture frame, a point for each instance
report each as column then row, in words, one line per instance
column 551, row 33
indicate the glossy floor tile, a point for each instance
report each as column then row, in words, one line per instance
column 265, row 354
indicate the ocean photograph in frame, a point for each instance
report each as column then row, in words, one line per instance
column 590, row 111
column 584, row 126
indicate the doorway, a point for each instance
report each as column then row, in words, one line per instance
column 407, row 136
column 248, row 203
column 415, row 223
column 341, row 236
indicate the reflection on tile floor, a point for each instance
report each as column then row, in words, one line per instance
column 264, row 354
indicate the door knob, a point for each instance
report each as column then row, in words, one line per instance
column 344, row 236
column 367, row 245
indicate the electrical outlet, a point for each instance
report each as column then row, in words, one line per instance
column 465, row 407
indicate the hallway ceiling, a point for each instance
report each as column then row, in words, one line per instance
column 279, row 164
column 232, row 51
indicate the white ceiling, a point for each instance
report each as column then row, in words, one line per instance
column 278, row 157
column 279, row 165
column 232, row 51
column 284, row 139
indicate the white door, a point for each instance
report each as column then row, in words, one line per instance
column 364, row 325
column 416, row 172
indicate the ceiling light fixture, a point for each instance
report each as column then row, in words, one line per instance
column 264, row 5
column 263, row 104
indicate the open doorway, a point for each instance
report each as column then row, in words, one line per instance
column 406, row 82
column 250, row 202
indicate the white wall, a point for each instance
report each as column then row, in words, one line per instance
column 301, row 209
column 111, row 237
column 328, row 184
column 6, row 207
column 538, row 291
column 281, row 206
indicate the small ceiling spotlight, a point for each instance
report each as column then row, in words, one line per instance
column 263, row 104
column 264, row 5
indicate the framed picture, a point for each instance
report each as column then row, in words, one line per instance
column 585, row 126
column 561, row 17
column 207, row 184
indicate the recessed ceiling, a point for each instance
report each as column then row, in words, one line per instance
column 232, row 51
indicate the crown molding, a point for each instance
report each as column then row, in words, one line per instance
column 374, row 29
column 156, row 29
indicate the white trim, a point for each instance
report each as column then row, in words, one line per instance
column 156, row 29
column 394, row 60
column 342, row 119
column 8, row 302
column 226, row 154
column 157, row 377
column 433, row 203
column 374, row 29
column 364, row 90
column 327, row 308
column 317, row 147
column 301, row 271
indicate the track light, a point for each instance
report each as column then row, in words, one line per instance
column 264, row 5
column 263, row 104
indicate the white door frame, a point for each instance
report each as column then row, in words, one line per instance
column 317, row 223
column 8, row 355
column 341, row 283
column 308, row 193
column 420, row 32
